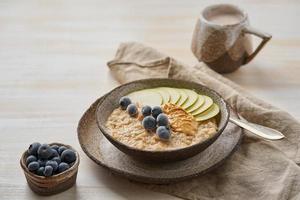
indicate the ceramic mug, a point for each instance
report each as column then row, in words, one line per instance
column 222, row 38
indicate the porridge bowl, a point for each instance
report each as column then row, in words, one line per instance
column 162, row 120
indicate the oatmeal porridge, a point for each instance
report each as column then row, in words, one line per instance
column 185, row 130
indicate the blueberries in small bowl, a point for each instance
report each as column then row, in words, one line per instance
column 55, row 147
column 40, row 171
column 53, row 164
column 33, row 148
column 48, row 171
column 68, row 156
column 57, row 159
column 46, row 160
column 46, row 175
column 30, row 159
column 44, row 151
column 63, row 167
column 42, row 162
column 61, row 149
column 54, row 153
column 33, row 166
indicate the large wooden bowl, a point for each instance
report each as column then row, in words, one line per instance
column 111, row 102
column 53, row 184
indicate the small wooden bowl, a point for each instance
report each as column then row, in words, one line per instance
column 54, row 184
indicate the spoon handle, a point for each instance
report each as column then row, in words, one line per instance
column 262, row 131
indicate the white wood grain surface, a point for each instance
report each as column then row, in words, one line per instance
column 53, row 56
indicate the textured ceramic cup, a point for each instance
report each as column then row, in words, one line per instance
column 111, row 102
column 224, row 47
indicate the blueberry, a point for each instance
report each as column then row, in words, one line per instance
column 163, row 133
column 61, row 149
column 56, row 159
column 149, row 123
column 156, row 110
column 124, row 102
column 42, row 163
column 40, row 171
column 68, row 156
column 44, row 151
column 162, row 120
column 63, row 167
column 55, row 147
column 54, row 153
column 146, row 110
column 53, row 164
column 33, row 148
column 33, row 166
column 132, row 110
column 48, row 171
column 30, row 159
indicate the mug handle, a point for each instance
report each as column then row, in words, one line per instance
column 264, row 36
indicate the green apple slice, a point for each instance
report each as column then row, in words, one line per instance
column 208, row 102
column 175, row 95
column 146, row 97
column 193, row 96
column 164, row 93
column 197, row 105
column 209, row 113
column 184, row 97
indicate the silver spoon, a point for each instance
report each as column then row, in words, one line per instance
column 262, row 131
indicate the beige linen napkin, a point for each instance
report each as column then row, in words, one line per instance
column 259, row 169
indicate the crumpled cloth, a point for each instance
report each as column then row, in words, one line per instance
column 259, row 169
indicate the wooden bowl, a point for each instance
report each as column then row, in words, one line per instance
column 54, row 184
column 111, row 102
column 101, row 151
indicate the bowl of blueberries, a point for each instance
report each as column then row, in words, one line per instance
column 50, row 168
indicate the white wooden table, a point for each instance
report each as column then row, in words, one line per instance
column 53, row 56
